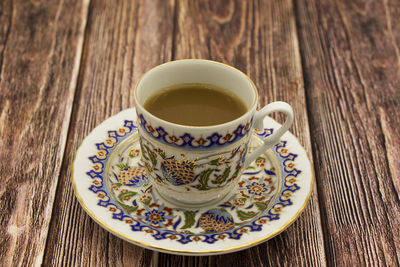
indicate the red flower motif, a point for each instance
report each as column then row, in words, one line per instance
column 196, row 238
column 155, row 217
column 287, row 194
column 263, row 221
column 173, row 138
column 109, row 141
column 150, row 129
column 112, row 209
column 278, row 209
column 227, row 137
column 201, row 141
column 221, row 236
column 261, row 162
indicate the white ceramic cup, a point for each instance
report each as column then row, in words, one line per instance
column 194, row 166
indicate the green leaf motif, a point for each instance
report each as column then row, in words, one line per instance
column 147, row 202
column 222, row 178
column 204, row 176
column 214, row 162
column 189, row 219
column 262, row 206
column 122, row 166
column 152, row 156
column 162, row 154
column 144, row 152
column 118, row 184
column 127, row 207
column 246, row 215
column 123, row 195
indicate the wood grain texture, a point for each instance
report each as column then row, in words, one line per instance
column 123, row 39
column 350, row 53
column 39, row 63
column 66, row 66
column 259, row 38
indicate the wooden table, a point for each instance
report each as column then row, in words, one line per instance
column 65, row 66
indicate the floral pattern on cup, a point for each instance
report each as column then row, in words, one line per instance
column 202, row 173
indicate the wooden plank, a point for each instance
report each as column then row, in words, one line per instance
column 40, row 50
column 123, row 40
column 258, row 37
column 350, row 51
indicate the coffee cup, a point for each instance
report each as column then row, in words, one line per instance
column 193, row 166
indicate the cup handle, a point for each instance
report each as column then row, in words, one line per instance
column 273, row 139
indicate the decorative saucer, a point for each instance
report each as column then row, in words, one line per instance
column 111, row 184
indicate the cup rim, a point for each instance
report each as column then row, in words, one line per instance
column 182, row 126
